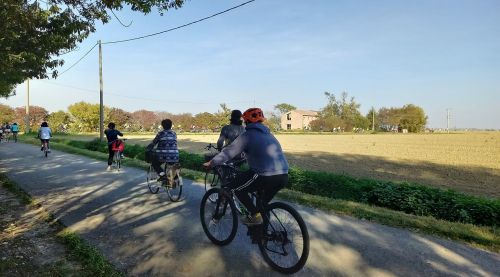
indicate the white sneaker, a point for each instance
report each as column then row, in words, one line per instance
column 108, row 168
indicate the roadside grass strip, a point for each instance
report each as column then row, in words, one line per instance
column 484, row 237
column 93, row 262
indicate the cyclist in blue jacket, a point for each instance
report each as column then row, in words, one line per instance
column 268, row 165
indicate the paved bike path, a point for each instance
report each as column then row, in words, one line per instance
column 147, row 235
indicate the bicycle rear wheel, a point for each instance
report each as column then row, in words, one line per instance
column 118, row 160
column 219, row 220
column 212, row 180
column 174, row 188
column 151, row 179
column 285, row 240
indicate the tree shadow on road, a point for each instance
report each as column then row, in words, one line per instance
column 147, row 235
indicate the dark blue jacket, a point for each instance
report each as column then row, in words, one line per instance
column 166, row 146
column 112, row 135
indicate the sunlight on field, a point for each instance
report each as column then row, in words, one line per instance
column 469, row 162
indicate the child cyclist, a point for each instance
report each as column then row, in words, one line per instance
column 166, row 148
column 44, row 134
column 112, row 136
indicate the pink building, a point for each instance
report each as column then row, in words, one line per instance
column 297, row 119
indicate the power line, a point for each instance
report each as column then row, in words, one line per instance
column 178, row 27
column 141, row 98
column 88, row 52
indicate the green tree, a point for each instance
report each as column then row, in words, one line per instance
column 59, row 121
column 33, row 34
column 284, row 108
column 222, row 116
column 205, row 121
column 85, row 117
column 388, row 118
column 413, row 118
column 273, row 121
column 343, row 112
column 410, row 117
column 372, row 117
column 7, row 114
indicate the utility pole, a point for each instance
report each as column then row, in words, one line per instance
column 373, row 119
column 448, row 120
column 27, row 118
column 101, row 107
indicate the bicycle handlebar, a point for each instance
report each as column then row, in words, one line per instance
column 211, row 146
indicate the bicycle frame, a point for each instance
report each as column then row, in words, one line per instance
column 45, row 148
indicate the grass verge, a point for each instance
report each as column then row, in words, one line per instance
column 93, row 262
column 484, row 237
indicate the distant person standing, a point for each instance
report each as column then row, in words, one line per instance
column 231, row 131
column 112, row 136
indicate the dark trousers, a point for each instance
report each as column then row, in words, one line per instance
column 248, row 182
column 157, row 165
column 111, row 153
column 45, row 140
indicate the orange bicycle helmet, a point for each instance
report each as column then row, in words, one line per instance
column 253, row 115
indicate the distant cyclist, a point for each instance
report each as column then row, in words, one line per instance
column 231, row 131
column 268, row 165
column 166, row 148
column 14, row 129
column 44, row 134
column 112, row 135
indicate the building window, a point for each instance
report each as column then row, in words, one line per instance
column 289, row 126
column 289, row 116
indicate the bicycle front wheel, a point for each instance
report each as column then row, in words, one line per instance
column 219, row 220
column 285, row 240
column 211, row 180
column 174, row 189
column 151, row 179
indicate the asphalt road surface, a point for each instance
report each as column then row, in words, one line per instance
column 144, row 234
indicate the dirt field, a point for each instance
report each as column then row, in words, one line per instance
column 469, row 162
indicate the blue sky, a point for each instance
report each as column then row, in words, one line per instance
column 435, row 54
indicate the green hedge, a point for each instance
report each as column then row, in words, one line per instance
column 410, row 198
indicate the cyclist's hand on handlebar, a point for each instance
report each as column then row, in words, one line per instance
column 207, row 165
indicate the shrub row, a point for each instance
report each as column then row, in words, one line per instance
column 409, row 198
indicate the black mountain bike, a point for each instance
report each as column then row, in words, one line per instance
column 212, row 177
column 283, row 238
